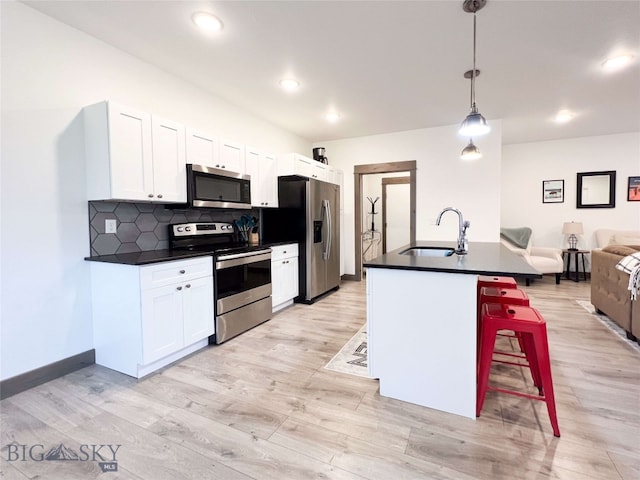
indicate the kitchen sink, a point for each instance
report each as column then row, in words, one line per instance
column 428, row 251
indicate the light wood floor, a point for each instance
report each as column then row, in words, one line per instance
column 263, row 407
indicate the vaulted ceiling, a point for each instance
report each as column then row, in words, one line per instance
column 389, row 66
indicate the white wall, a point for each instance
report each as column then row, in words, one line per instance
column 49, row 72
column 525, row 166
column 442, row 180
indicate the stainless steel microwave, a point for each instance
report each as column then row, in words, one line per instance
column 216, row 188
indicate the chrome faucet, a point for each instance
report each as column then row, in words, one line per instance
column 463, row 244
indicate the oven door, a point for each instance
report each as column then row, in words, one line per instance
column 215, row 188
column 242, row 279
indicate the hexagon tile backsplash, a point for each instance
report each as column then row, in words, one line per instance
column 145, row 226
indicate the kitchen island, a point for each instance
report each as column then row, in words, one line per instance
column 421, row 322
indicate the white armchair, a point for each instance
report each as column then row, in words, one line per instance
column 543, row 259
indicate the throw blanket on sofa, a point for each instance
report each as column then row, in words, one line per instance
column 631, row 265
column 518, row 236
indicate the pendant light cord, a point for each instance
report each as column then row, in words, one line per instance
column 473, row 72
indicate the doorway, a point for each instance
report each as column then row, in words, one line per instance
column 396, row 211
column 391, row 167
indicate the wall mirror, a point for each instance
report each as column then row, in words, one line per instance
column 596, row 189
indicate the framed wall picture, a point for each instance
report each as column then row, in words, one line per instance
column 552, row 191
column 633, row 189
column 596, row 189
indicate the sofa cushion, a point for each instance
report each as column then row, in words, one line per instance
column 604, row 236
column 622, row 250
column 622, row 239
column 546, row 264
column 520, row 236
column 629, row 263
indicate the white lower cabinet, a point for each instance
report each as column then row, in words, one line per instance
column 145, row 317
column 284, row 275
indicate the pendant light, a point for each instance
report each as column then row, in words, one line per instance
column 471, row 152
column 475, row 124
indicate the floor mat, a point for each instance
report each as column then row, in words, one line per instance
column 352, row 358
column 610, row 324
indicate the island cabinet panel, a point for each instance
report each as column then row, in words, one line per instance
column 421, row 329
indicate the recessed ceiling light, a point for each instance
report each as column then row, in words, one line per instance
column 289, row 84
column 613, row 64
column 564, row 116
column 207, row 22
column 332, row 117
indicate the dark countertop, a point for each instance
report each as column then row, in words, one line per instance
column 167, row 255
column 484, row 258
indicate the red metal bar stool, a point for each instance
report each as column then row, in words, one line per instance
column 527, row 322
column 507, row 296
column 495, row 281
column 510, row 296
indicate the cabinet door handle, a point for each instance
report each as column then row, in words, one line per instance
column 188, row 285
column 150, row 195
column 159, row 195
column 179, row 288
column 183, row 271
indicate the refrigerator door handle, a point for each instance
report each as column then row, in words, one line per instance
column 327, row 245
column 330, row 230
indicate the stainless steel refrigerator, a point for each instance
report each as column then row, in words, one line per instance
column 308, row 213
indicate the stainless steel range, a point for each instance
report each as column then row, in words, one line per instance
column 242, row 275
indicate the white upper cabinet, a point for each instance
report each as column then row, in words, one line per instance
column 202, row 149
column 124, row 150
column 319, row 171
column 296, row 164
column 264, row 178
column 169, row 171
column 268, row 169
column 231, row 156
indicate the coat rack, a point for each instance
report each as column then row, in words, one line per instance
column 371, row 238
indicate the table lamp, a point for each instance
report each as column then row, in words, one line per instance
column 572, row 229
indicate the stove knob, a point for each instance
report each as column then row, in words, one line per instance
column 188, row 229
column 180, row 229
